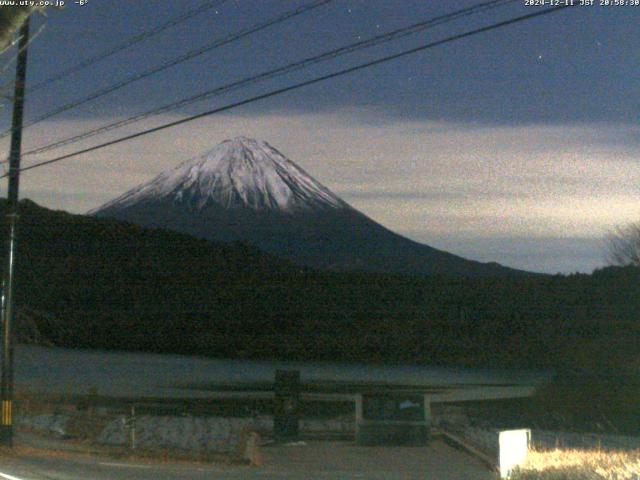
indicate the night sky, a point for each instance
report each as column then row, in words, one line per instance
column 519, row 145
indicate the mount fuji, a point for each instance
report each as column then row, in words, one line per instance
column 245, row 190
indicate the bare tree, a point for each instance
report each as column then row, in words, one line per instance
column 623, row 245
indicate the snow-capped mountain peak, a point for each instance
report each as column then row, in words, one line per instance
column 237, row 173
column 246, row 191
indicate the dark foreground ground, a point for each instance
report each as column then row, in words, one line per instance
column 313, row 460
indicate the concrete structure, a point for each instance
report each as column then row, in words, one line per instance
column 393, row 419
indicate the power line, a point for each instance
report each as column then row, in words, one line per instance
column 203, row 7
column 374, row 41
column 14, row 42
column 183, row 58
column 297, row 86
column 11, row 85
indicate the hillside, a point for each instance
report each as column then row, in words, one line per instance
column 109, row 284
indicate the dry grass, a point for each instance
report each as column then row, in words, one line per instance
column 580, row 465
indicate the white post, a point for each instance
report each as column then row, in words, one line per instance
column 514, row 447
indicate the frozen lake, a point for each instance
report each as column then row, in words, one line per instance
column 122, row 374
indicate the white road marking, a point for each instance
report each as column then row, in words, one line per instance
column 9, row 477
column 122, row 465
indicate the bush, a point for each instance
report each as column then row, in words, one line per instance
column 580, row 465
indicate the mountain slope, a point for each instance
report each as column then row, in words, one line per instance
column 245, row 190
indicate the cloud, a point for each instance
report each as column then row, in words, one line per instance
column 543, row 254
column 421, row 178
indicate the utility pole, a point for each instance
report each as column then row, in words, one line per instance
column 6, row 386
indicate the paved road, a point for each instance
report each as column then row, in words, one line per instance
column 316, row 460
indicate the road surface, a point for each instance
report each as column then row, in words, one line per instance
column 315, row 460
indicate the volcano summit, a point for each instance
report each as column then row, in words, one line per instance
column 238, row 174
column 246, row 190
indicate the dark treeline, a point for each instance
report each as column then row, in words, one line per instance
column 108, row 284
